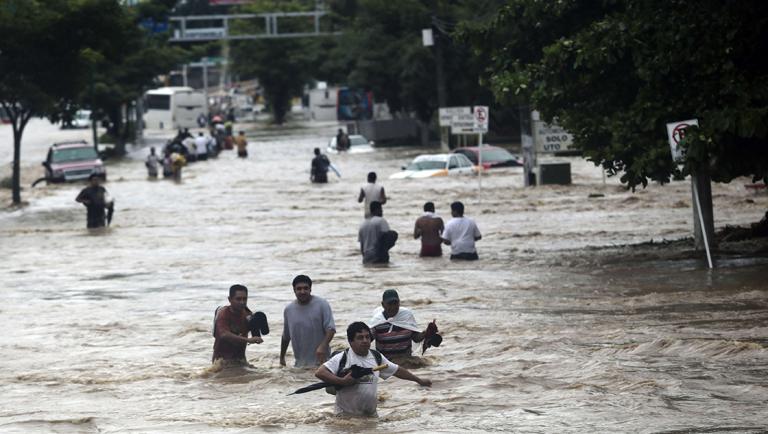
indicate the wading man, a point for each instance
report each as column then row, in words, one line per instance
column 461, row 233
column 371, row 192
column 231, row 326
column 358, row 396
column 96, row 201
column 308, row 326
column 375, row 237
column 319, row 171
column 394, row 327
column 429, row 227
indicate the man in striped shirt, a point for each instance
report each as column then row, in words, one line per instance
column 394, row 327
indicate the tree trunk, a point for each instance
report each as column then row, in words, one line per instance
column 16, row 176
column 703, row 184
column 19, row 119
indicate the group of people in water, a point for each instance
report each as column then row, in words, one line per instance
column 186, row 148
column 308, row 324
column 308, row 327
column 376, row 238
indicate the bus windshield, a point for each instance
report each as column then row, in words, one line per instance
column 158, row 102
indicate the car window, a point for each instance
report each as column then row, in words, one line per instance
column 464, row 161
column 426, row 165
column 453, row 162
column 357, row 141
column 469, row 154
column 74, row 154
column 497, row 155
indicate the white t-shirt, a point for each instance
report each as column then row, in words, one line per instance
column 372, row 193
column 201, row 143
column 461, row 232
column 360, row 399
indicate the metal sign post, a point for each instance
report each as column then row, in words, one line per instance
column 480, row 113
column 701, row 222
column 676, row 134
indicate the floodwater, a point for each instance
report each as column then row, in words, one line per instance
column 559, row 327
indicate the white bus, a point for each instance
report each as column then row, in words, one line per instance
column 174, row 108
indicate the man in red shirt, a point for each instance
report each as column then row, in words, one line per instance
column 231, row 327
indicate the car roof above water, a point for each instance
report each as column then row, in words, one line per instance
column 431, row 157
column 68, row 145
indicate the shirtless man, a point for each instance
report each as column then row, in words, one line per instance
column 429, row 227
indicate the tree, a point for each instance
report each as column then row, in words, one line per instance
column 382, row 49
column 614, row 72
column 42, row 63
column 125, row 68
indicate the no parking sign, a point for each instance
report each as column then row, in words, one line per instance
column 676, row 134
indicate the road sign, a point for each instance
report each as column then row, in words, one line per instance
column 463, row 123
column 447, row 114
column 481, row 114
column 551, row 137
column 676, row 134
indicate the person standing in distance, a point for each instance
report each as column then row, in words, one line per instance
column 307, row 325
column 429, row 227
column 371, row 192
column 96, row 201
column 461, row 233
column 319, row 169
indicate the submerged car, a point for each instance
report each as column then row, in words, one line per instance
column 72, row 161
column 357, row 143
column 426, row 166
column 493, row 156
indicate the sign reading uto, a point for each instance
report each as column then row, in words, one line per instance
column 551, row 137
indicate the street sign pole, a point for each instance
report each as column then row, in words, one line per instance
column 480, row 161
column 701, row 222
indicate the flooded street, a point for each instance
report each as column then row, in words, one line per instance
column 558, row 328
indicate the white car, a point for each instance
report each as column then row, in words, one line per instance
column 426, row 166
column 357, row 143
column 82, row 119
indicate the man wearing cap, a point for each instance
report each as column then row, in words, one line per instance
column 394, row 327
column 231, row 326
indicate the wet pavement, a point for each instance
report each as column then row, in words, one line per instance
column 560, row 327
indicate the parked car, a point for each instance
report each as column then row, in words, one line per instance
column 425, row 166
column 493, row 156
column 71, row 161
column 357, row 143
column 81, row 119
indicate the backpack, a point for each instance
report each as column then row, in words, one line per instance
column 343, row 362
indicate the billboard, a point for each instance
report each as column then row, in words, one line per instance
column 354, row 105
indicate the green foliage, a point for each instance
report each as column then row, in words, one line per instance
column 57, row 54
column 614, row 72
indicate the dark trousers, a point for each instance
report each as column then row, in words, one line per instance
column 387, row 240
column 466, row 256
column 96, row 216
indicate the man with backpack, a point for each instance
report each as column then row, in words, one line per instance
column 357, row 395
column 319, row 170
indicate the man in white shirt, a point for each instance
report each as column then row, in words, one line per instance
column 357, row 396
column 201, row 147
column 461, row 233
column 371, row 192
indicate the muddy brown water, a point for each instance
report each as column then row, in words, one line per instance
column 558, row 328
